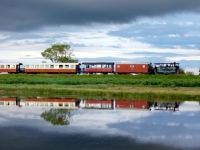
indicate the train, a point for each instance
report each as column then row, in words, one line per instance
column 91, row 68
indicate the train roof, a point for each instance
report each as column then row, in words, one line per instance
column 97, row 62
column 9, row 63
column 168, row 63
column 133, row 63
column 50, row 63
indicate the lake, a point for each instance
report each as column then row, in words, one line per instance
column 85, row 124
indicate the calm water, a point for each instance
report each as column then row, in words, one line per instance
column 31, row 127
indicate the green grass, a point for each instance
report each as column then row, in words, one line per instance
column 142, row 80
column 109, row 86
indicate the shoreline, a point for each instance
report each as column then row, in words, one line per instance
column 104, row 91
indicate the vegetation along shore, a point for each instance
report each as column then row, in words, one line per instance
column 184, row 87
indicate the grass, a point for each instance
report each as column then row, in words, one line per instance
column 122, row 86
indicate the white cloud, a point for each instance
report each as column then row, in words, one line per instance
column 3, row 36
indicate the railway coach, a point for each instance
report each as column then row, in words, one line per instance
column 51, row 68
column 133, row 67
column 11, row 67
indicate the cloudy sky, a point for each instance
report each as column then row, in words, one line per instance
column 114, row 30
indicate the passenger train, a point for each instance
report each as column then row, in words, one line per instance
column 91, row 68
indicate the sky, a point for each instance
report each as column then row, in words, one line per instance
column 115, row 31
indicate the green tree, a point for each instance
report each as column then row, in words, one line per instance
column 57, row 116
column 181, row 71
column 59, row 53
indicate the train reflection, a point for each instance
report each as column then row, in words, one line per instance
column 73, row 103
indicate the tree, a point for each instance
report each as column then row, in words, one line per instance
column 59, row 53
column 57, row 116
column 181, row 71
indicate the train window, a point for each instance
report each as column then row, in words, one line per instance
column 51, row 104
column 12, row 66
column 131, row 66
column 41, row 66
column 143, row 66
column 66, row 66
column 2, row 66
column 7, row 66
column 27, row 66
column 31, row 66
column 60, row 104
column 98, row 66
column 66, row 105
column 46, row 66
column 118, row 66
column 36, row 66
column 60, row 66
column 72, row 66
column 1, row 103
column 51, row 66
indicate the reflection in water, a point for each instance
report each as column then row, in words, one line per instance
column 172, row 106
column 72, row 103
column 96, row 125
column 58, row 116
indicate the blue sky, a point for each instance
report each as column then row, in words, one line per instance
column 133, row 31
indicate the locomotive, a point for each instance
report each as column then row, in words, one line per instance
column 92, row 68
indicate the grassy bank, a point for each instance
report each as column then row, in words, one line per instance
column 108, row 86
column 140, row 80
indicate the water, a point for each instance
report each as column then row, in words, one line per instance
column 90, row 127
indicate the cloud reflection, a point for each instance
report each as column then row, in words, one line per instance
column 181, row 128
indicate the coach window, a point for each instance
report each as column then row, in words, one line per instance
column 143, row 66
column 98, row 66
column 7, row 66
column 51, row 66
column 41, row 66
column 72, row 66
column 12, row 66
column 2, row 66
column 36, row 66
column 46, row 66
column 31, row 66
column 60, row 66
column 131, row 66
column 118, row 66
column 66, row 66
column 27, row 66
column 60, row 104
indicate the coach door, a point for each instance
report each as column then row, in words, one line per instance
column 17, row 68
